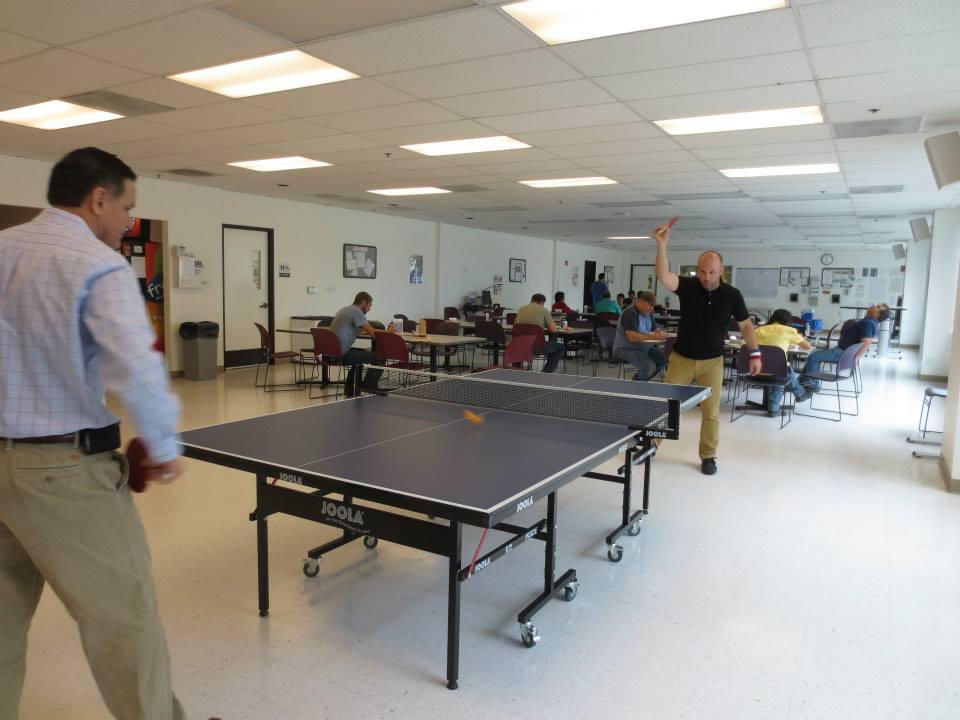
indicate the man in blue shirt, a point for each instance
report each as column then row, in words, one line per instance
column 347, row 324
column 73, row 325
column 599, row 288
column 864, row 331
column 635, row 331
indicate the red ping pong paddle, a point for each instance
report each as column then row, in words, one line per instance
column 137, row 457
column 673, row 221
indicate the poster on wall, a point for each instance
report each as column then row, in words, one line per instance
column 518, row 270
column 359, row 261
column 416, row 269
column 608, row 274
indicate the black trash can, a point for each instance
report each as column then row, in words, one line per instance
column 199, row 349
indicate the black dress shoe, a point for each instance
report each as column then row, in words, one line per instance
column 708, row 466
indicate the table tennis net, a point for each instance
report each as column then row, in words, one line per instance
column 478, row 394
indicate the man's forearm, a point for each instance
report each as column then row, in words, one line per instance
column 663, row 264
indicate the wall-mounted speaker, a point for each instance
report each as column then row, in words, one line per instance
column 899, row 251
column 943, row 152
column 920, row 229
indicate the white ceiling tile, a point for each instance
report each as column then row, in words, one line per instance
column 185, row 41
column 228, row 114
column 527, row 99
column 729, row 101
column 531, row 169
column 617, row 147
column 775, row 69
column 604, row 166
column 393, row 116
column 887, row 55
column 122, row 130
column 325, row 146
column 850, row 21
column 611, row 114
column 332, row 98
column 274, row 132
column 10, row 98
column 917, row 81
column 173, row 145
column 532, row 67
column 437, row 40
column 763, row 151
column 168, row 92
column 440, row 132
column 57, row 22
column 574, row 136
column 743, row 36
column 734, row 161
column 61, row 72
column 303, row 20
column 492, row 158
column 892, row 106
column 12, row 46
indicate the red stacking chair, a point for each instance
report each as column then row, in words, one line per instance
column 268, row 356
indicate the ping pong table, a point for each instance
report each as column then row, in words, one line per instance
column 414, row 450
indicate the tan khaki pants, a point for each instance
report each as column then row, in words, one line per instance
column 706, row 373
column 68, row 519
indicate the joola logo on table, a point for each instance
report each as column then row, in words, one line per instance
column 342, row 512
column 524, row 504
column 287, row 477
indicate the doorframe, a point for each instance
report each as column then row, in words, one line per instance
column 271, row 324
column 656, row 280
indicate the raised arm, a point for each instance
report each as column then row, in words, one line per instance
column 670, row 280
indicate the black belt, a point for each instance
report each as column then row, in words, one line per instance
column 90, row 440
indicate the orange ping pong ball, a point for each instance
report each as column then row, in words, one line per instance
column 472, row 417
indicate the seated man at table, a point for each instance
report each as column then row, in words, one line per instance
column 349, row 322
column 537, row 314
column 560, row 305
column 635, row 331
column 779, row 333
column 864, row 331
column 607, row 304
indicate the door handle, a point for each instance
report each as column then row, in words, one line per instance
column 264, row 305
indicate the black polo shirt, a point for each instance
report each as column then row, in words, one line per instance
column 704, row 318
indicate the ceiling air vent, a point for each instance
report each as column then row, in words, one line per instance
column 119, row 104
column 189, row 172
column 876, row 189
column 873, row 128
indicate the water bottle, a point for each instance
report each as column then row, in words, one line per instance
column 422, row 327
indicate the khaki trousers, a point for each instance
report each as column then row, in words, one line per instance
column 706, row 373
column 68, row 519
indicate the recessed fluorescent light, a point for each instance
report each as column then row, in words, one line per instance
column 295, row 162
column 562, row 21
column 54, row 115
column 472, row 145
column 783, row 117
column 409, row 191
column 782, row 170
column 568, row 182
column 628, row 237
column 272, row 73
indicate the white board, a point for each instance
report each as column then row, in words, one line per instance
column 758, row 282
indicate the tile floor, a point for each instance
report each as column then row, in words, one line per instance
column 815, row 577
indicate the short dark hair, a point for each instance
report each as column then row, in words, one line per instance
column 781, row 317
column 601, row 276
column 362, row 297
column 606, row 294
column 80, row 171
column 538, row 298
column 647, row 297
column 884, row 312
column 558, row 296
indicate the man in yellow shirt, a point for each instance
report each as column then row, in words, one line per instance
column 779, row 333
column 535, row 313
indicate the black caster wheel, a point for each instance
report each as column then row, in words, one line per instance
column 615, row 553
column 530, row 635
column 311, row 568
column 369, row 541
column 570, row 590
column 634, row 529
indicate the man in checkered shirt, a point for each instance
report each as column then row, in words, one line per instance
column 73, row 325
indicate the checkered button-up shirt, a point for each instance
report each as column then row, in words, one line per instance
column 73, row 325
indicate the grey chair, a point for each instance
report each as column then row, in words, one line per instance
column 844, row 369
column 774, row 374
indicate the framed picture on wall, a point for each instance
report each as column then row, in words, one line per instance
column 518, row 270
column 794, row 276
column 359, row 261
column 608, row 274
